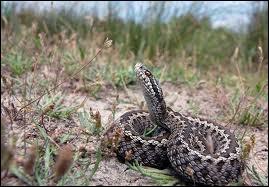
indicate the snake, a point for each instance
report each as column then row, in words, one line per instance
column 199, row 150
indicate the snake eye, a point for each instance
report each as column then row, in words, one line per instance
column 147, row 73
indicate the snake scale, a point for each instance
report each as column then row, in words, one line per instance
column 199, row 150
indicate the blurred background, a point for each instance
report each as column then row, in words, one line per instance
column 195, row 37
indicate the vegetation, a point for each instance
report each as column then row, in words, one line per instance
column 47, row 56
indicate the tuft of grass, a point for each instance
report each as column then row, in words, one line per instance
column 161, row 177
column 250, row 107
column 18, row 172
column 98, row 157
column 91, row 122
column 252, row 116
column 53, row 106
column 248, row 94
column 124, row 76
column 66, row 169
column 18, row 63
column 259, row 179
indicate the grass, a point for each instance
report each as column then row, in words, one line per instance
column 17, row 63
column 188, row 34
column 46, row 57
column 44, row 169
column 259, row 179
column 248, row 112
column 53, row 106
column 90, row 122
column 160, row 177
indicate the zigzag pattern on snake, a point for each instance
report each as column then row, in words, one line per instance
column 199, row 150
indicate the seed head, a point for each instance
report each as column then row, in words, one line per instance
column 108, row 43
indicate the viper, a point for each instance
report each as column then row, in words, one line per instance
column 199, row 150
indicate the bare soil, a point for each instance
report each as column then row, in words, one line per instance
column 202, row 101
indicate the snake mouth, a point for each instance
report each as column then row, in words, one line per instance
column 138, row 66
column 142, row 73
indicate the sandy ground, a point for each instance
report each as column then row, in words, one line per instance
column 199, row 100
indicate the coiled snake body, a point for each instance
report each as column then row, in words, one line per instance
column 198, row 149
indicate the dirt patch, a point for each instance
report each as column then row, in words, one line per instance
column 201, row 101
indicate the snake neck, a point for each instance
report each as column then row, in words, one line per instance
column 153, row 95
column 157, row 110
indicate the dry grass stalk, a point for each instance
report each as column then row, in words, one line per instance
column 63, row 162
column 260, row 58
column 6, row 153
column 111, row 139
column 29, row 163
column 97, row 117
column 248, row 145
column 129, row 154
column 108, row 43
column 234, row 60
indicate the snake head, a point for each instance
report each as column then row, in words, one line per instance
column 152, row 93
column 148, row 82
column 142, row 71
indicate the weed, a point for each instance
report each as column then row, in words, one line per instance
column 91, row 122
column 18, row 172
column 260, row 180
column 98, row 156
column 18, row 63
column 124, row 77
column 53, row 106
column 161, row 177
column 148, row 132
